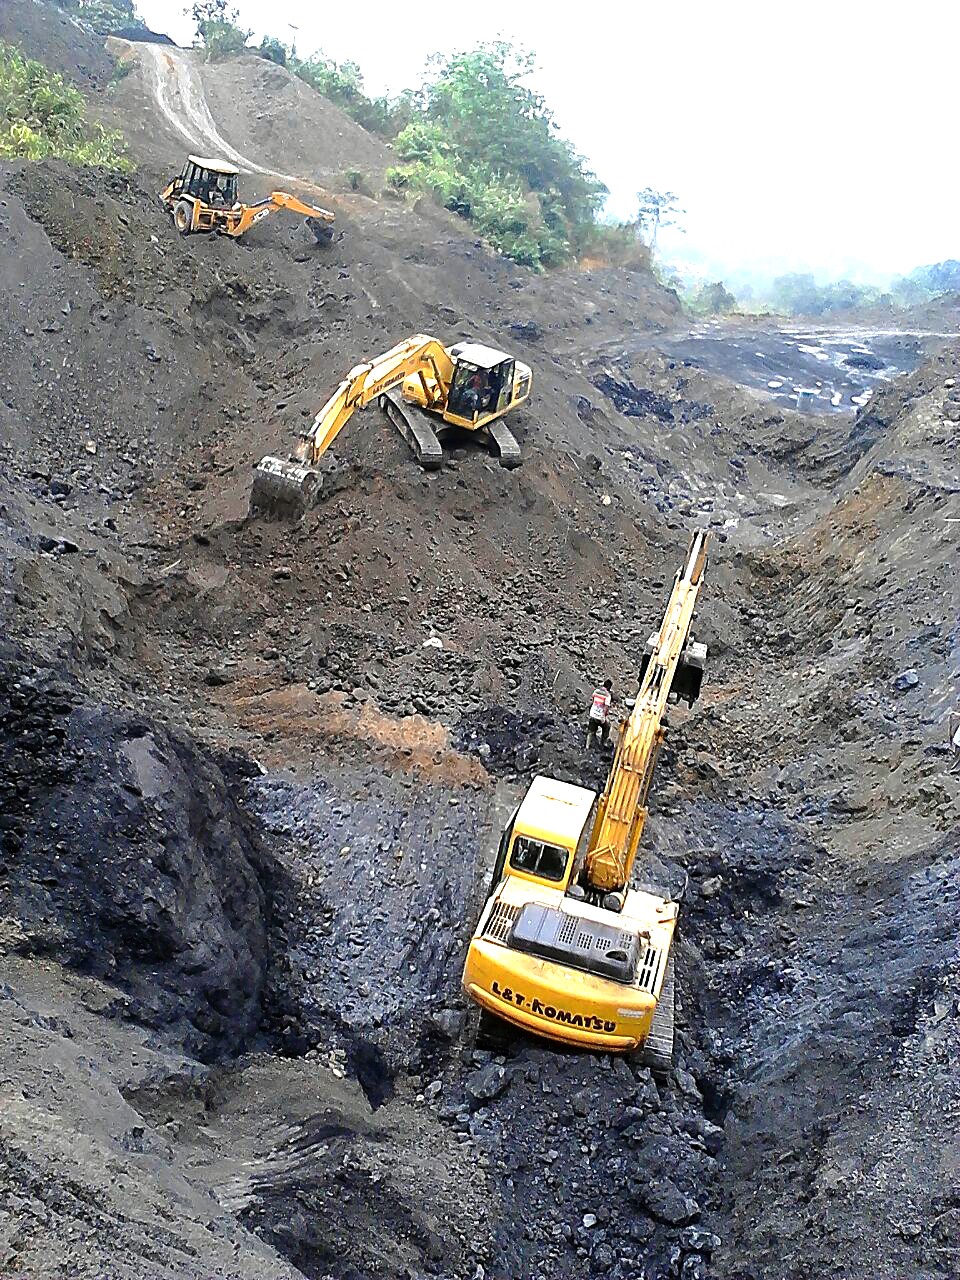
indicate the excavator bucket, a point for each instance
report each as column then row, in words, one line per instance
column 322, row 231
column 282, row 488
column 688, row 677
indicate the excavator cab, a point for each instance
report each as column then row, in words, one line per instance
column 211, row 181
column 482, row 381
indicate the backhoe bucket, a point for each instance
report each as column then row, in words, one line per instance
column 688, row 677
column 282, row 488
column 322, row 231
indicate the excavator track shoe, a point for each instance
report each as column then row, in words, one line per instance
column 493, row 1034
column 658, row 1049
column 418, row 434
column 504, row 444
column 283, row 488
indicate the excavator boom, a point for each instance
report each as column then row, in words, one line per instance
column 249, row 214
column 622, row 810
column 419, row 356
column 279, row 485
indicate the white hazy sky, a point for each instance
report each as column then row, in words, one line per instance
column 818, row 135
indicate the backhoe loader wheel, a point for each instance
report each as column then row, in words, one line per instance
column 182, row 217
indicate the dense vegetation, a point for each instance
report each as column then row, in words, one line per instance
column 41, row 115
column 924, row 283
column 474, row 136
column 342, row 83
column 799, row 294
column 710, row 299
column 103, row 16
column 487, row 147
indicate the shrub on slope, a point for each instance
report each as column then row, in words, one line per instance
column 41, row 115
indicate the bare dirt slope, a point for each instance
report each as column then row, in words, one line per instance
column 247, row 811
column 218, row 109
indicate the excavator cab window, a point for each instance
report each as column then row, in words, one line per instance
column 470, row 391
column 502, row 386
column 219, row 189
column 538, row 858
column 223, row 190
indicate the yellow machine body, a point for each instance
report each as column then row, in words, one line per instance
column 564, row 947
column 546, row 996
column 436, row 390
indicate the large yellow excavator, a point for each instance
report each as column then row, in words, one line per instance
column 565, row 947
column 467, row 386
column 203, row 197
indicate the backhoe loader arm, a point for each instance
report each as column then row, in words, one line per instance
column 622, row 809
column 284, row 200
column 251, row 213
column 419, row 356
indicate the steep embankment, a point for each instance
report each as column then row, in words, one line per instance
column 315, row 913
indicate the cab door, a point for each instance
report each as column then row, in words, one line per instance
column 505, row 373
column 181, row 180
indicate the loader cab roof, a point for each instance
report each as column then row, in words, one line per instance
column 214, row 166
column 554, row 811
column 478, row 355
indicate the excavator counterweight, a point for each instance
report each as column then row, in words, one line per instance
column 465, row 387
column 565, row 947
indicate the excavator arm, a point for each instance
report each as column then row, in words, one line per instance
column 252, row 213
column 280, row 485
column 420, row 356
column 622, row 809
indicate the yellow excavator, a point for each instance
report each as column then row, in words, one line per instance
column 565, row 947
column 203, row 197
column 468, row 387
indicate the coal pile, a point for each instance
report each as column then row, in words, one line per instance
column 506, row 741
column 126, row 857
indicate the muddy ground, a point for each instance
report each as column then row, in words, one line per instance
column 251, row 773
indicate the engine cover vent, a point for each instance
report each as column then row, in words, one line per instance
column 594, row 947
column 502, row 919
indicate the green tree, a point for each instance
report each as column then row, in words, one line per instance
column 488, row 148
column 273, row 50
column 103, row 16
column 342, row 83
column 657, row 209
column 41, row 115
column 714, row 299
column 798, row 294
column 217, row 27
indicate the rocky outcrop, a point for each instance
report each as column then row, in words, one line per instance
column 126, row 857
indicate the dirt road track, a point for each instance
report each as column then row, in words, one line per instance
column 177, row 86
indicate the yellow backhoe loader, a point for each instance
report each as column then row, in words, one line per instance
column 565, row 947
column 468, row 387
column 203, row 197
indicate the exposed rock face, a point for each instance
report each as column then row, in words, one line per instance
column 125, row 857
